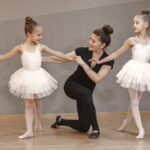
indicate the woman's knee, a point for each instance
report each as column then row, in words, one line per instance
column 85, row 129
column 87, row 97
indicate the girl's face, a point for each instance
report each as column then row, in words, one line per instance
column 139, row 25
column 95, row 44
column 36, row 36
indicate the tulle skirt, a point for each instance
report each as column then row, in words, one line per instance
column 135, row 75
column 28, row 84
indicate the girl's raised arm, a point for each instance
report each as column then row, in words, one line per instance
column 16, row 50
column 127, row 44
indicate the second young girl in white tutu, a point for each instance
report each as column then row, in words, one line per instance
column 135, row 74
column 31, row 82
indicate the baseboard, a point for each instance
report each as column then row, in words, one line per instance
column 21, row 116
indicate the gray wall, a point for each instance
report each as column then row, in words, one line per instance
column 65, row 31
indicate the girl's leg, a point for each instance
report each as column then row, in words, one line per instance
column 29, row 119
column 128, row 119
column 37, row 110
column 135, row 101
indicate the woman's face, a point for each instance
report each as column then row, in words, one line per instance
column 94, row 43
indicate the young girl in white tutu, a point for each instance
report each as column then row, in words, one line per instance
column 135, row 74
column 31, row 82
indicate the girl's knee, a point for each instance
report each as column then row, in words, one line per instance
column 134, row 104
column 37, row 103
column 29, row 103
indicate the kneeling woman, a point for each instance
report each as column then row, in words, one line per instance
column 80, row 85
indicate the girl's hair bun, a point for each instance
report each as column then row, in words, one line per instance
column 29, row 20
column 108, row 29
column 145, row 12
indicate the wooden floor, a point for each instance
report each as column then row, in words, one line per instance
column 67, row 139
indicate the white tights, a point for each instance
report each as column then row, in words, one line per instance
column 135, row 97
column 31, row 105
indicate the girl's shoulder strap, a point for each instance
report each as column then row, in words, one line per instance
column 135, row 39
column 148, row 40
column 38, row 47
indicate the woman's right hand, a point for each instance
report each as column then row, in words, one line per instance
column 79, row 60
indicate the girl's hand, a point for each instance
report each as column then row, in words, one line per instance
column 79, row 60
column 94, row 60
column 70, row 59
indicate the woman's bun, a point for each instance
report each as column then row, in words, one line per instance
column 107, row 29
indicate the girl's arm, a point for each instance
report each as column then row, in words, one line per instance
column 127, row 44
column 54, row 59
column 95, row 77
column 11, row 53
column 57, row 54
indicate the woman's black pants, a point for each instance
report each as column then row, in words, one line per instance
column 85, row 107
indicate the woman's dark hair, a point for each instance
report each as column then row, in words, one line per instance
column 146, row 16
column 104, row 34
column 29, row 25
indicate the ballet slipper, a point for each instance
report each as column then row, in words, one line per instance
column 38, row 128
column 56, row 123
column 123, row 126
column 141, row 134
column 26, row 135
column 95, row 134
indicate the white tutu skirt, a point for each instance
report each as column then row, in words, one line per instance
column 30, row 83
column 135, row 75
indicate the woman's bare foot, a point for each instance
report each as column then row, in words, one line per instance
column 26, row 135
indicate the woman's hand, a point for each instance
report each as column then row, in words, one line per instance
column 79, row 60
